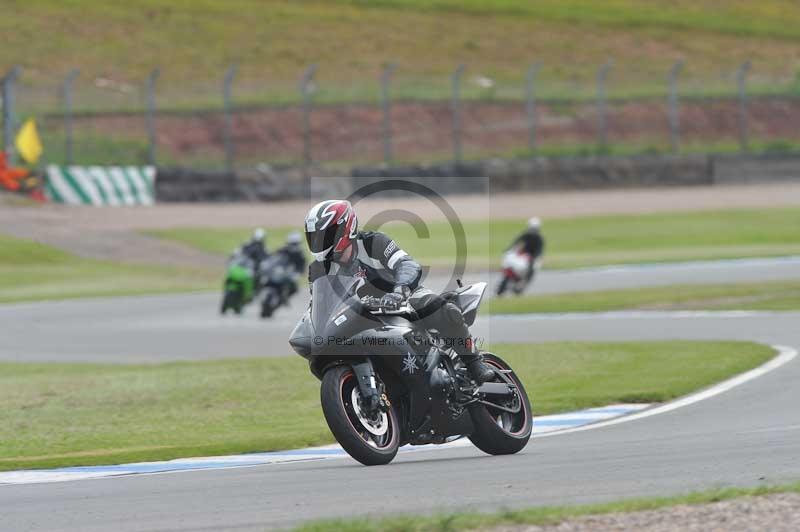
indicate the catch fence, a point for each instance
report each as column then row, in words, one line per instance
column 397, row 116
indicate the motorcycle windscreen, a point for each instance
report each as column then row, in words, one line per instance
column 337, row 313
column 468, row 299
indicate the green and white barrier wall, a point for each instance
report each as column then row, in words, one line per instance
column 101, row 185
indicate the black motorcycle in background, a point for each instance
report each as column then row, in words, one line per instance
column 277, row 282
column 387, row 382
column 271, row 283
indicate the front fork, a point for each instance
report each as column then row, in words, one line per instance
column 374, row 398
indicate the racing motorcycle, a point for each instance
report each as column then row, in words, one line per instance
column 275, row 277
column 239, row 286
column 515, row 271
column 387, row 381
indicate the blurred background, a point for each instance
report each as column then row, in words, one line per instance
column 651, row 147
column 345, row 84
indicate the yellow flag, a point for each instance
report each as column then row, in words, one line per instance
column 28, row 143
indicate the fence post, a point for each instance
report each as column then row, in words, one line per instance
column 674, row 112
column 456, row 110
column 150, row 117
column 7, row 100
column 530, row 105
column 744, row 126
column 602, row 105
column 66, row 90
column 386, row 102
column 227, row 104
column 306, row 91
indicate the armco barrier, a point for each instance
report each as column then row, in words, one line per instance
column 732, row 169
column 505, row 175
column 100, row 185
column 557, row 173
column 265, row 183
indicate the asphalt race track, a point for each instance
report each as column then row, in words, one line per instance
column 744, row 437
column 183, row 327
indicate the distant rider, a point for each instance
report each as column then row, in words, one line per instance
column 531, row 243
column 295, row 257
column 339, row 248
column 255, row 249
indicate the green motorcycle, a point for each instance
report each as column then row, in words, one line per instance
column 239, row 284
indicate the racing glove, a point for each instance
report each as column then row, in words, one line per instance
column 393, row 300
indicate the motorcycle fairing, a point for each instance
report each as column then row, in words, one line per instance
column 349, row 332
column 468, row 299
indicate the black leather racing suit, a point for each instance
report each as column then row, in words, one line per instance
column 532, row 243
column 384, row 266
column 296, row 260
column 256, row 250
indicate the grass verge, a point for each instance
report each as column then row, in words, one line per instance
column 86, row 414
column 545, row 515
column 576, row 242
column 351, row 40
column 30, row 271
column 773, row 295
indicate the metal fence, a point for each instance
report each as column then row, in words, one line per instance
column 397, row 117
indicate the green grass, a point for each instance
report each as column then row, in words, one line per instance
column 656, row 147
column 738, row 18
column 773, row 295
column 578, row 242
column 541, row 516
column 94, row 148
column 81, row 414
column 30, row 271
column 222, row 241
column 195, row 42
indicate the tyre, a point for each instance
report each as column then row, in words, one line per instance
column 237, row 300
column 268, row 305
column 371, row 442
column 498, row 431
column 501, row 288
column 228, row 301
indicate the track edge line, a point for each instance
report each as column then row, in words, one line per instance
column 785, row 354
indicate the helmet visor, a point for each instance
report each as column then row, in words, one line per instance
column 321, row 242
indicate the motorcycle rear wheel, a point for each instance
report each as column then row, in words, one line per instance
column 497, row 431
column 369, row 443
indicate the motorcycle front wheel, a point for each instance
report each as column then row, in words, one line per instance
column 501, row 288
column 370, row 440
column 231, row 300
column 503, row 430
column 269, row 303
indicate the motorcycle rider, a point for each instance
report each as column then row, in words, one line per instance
column 295, row 257
column 531, row 243
column 339, row 248
column 255, row 248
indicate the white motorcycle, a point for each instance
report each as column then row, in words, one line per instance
column 516, row 266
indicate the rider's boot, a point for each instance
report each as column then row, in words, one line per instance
column 477, row 368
